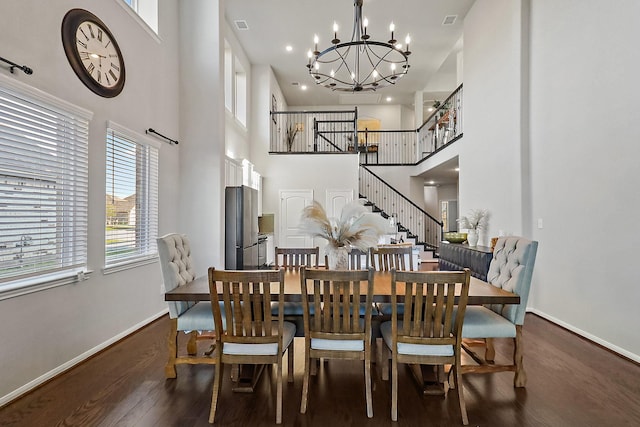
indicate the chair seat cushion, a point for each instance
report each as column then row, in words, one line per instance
column 337, row 345
column 414, row 349
column 288, row 332
column 480, row 322
column 197, row 318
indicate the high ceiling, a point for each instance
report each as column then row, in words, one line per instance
column 274, row 24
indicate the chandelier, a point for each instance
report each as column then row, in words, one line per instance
column 361, row 64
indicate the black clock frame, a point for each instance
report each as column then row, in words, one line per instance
column 70, row 24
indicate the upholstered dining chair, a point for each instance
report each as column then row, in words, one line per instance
column 333, row 327
column 511, row 269
column 190, row 317
column 251, row 335
column 432, row 333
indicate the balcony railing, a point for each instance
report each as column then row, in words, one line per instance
column 336, row 132
column 443, row 127
column 312, row 131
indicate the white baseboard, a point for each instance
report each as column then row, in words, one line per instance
column 71, row 363
column 600, row 341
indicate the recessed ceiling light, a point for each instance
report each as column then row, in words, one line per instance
column 431, row 182
column 389, row 99
column 457, row 169
column 289, row 48
column 303, row 87
column 430, row 109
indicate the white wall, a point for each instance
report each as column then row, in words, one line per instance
column 537, row 145
column 490, row 156
column 202, row 154
column 318, row 172
column 46, row 331
column 585, row 128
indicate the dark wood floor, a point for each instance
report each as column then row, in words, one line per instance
column 571, row 383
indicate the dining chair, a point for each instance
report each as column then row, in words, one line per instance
column 511, row 269
column 333, row 327
column 174, row 251
column 384, row 258
column 431, row 330
column 293, row 259
column 242, row 299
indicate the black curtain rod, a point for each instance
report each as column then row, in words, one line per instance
column 24, row 68
column 171, row 141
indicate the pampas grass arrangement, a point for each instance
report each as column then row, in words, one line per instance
column 356, row 227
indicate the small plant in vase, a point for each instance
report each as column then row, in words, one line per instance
column 476, row 221
column 356, row 228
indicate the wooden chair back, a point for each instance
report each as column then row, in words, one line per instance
column 385, row 258
column 431, row 331
column 246, row 301
column 335, row 299
column 294, row 258
column 252, row 335
column 336, row 329
column 429, row 301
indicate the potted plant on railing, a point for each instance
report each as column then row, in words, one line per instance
column 290, row 136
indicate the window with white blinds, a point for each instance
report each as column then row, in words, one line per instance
column 43, row 187
column 131, row 198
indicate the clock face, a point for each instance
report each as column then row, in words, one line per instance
column 93, row 53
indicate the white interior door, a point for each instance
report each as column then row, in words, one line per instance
column 336, row 199
column 291, row 204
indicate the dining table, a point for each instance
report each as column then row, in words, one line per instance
column 480, row 292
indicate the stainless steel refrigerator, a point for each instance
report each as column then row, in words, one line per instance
column 241, row 228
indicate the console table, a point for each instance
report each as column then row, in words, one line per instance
column 456, row 256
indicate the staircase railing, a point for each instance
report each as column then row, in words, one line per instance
column 415, row 220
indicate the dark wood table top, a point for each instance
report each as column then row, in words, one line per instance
column 479, row 292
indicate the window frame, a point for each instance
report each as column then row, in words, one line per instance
column 68, row 272
column 150, row 183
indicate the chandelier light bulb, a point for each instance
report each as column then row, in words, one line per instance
column 316, row 39
column 375, row 74
column 365, row 23
column 353, row 76
column 333, row 73
column 309, row 54
column 392, row 27
column 407, row 40
column 335, row 27
column 317, row 65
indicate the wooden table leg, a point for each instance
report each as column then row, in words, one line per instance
column 248, row 378
column 430, row 379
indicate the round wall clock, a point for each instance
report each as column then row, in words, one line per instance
column 93, row 53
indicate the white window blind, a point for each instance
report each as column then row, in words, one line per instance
column 131, row 198
column 43, row 187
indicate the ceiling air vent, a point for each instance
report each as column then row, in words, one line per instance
column 241, row 24
column 448, row 20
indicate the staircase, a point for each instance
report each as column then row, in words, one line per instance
column 412, row 223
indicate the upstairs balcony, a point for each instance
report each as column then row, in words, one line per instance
column 309, row 132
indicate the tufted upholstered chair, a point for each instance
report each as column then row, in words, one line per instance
column 511, row 269
column 188, row 316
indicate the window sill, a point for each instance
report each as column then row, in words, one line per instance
column 41, row 283
column 126, row 265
